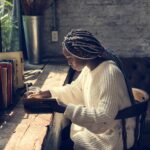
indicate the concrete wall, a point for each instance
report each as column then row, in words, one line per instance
column 121, row 25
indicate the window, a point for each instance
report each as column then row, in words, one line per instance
column 9, row 27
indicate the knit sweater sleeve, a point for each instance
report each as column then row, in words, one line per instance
column 70, row 93
column 98, row 119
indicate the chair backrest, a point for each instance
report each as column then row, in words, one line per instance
column 138, row 111
column 140, row 95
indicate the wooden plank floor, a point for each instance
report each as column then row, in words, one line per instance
column 22, row 131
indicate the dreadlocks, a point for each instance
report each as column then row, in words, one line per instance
column 82, row 44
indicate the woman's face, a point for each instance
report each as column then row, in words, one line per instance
column 75, row 63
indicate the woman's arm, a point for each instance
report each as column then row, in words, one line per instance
column 70, row 93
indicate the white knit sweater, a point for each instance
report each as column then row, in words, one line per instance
column 93, row 100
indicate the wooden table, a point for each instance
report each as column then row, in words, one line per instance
column 22, row 131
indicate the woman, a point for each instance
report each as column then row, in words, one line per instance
column 93, row 100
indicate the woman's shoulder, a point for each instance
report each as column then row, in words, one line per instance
column 107, row 65
column 107, row 69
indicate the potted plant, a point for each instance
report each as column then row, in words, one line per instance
column 5, row 23
column 33, row 11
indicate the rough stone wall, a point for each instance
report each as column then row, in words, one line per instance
column 120, row 25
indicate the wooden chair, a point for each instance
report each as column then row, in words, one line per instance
column 138, row 111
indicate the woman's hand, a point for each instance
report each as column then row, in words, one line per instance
column 39, row 95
